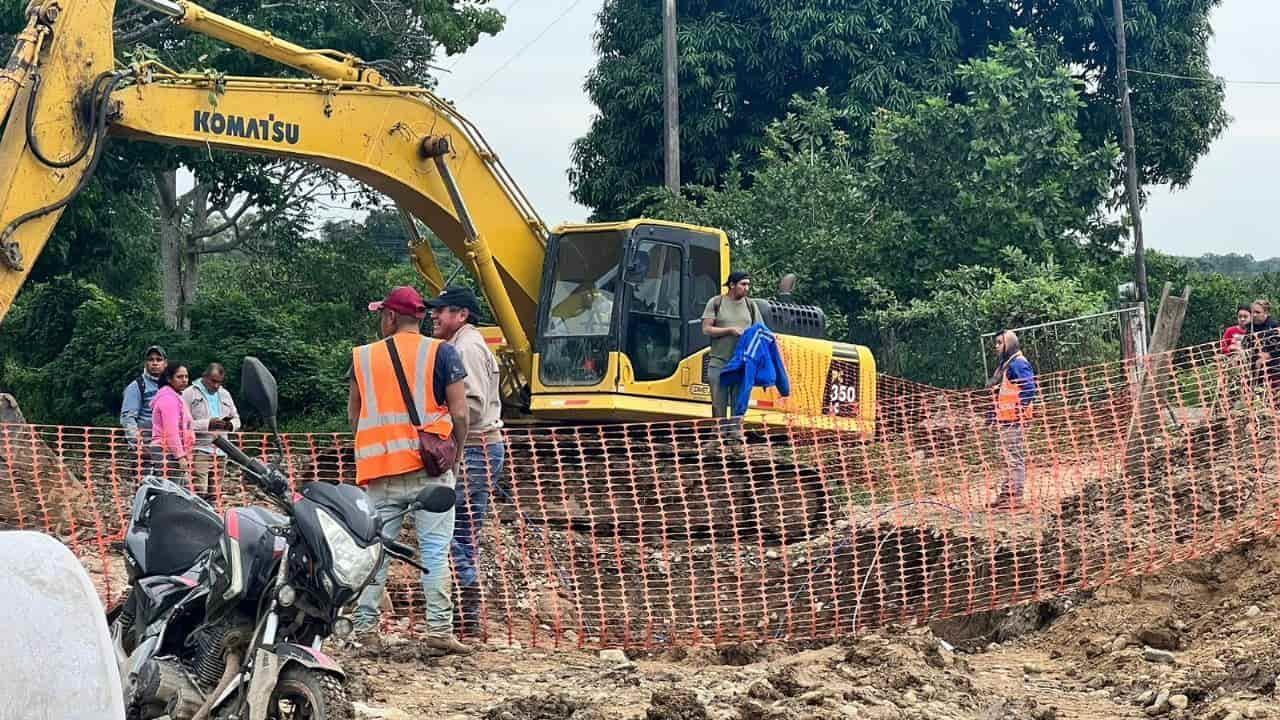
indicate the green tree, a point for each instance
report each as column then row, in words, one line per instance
column 935, row 339
column 1234, row 264
column 237, row 199
column 741, row 62
column 947, row 183
column 68, row 347
column 1215, row 295
column 1004, row 167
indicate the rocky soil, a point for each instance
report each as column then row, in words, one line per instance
column 1200, row 641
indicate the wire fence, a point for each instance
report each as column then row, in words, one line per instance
column 1098, row 338
column 667, row 534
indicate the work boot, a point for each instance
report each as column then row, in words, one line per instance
column 366, row 635
column 447, row 643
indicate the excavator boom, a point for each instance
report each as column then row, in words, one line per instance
column 618, row 306
column 402, row 141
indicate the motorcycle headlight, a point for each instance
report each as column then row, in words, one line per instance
column 352, row 565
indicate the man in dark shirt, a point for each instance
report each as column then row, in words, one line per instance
column 1264, row 341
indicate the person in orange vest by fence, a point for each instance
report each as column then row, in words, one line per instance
column 390, row 462
column 1015, row 383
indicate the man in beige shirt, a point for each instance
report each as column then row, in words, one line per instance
column 454, row 314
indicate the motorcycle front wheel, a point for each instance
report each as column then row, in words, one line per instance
column 304, row 694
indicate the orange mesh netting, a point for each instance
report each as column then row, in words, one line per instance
column 671, row 533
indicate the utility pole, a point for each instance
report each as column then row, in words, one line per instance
column 1131, row 162
column 671, row 97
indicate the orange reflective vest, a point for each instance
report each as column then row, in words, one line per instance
column 1009, row 406
column 386, row 440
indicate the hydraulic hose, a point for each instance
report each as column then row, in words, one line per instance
column 92, row 124
column 98, row 134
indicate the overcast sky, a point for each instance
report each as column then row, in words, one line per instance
column 532, row 110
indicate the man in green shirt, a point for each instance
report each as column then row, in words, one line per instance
column 724, row 319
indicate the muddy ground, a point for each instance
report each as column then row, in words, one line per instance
column 570, row 558
column 1200, row 640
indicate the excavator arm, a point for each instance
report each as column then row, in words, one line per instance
column 64, row 96
column 610, row 351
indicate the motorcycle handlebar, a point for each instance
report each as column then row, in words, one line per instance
column 238, row 457
column 266, row 477
column 404, row 553
column 398, row 548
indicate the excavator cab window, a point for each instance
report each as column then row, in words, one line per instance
column 579, row 297
column 654, row 328
column 704, row 284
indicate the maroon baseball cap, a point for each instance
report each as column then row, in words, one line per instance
column 404, row 300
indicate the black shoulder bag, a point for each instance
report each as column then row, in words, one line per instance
column 439, row 455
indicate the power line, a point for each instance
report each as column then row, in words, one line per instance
column 1205, row 80
column 526, row 46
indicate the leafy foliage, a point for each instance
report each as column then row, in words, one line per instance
column 936, row 339
column 68, row 348
column 1214, row 295
column 741, row 62
column 948, row 183
column 298, row 302
column 1234, row 264
column 1005, row 167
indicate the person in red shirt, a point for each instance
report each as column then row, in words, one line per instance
column 1231, row 339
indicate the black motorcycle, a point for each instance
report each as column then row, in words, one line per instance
column 225, row 617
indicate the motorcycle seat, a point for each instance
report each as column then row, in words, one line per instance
column 179, row 533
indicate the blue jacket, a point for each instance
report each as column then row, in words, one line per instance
column 1020, row 373
column 135, row 407
column 756, row 362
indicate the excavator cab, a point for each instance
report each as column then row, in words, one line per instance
column 621, row 307
column 619, row 330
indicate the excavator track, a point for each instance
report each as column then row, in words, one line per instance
column 639, row 485
column 636, row 485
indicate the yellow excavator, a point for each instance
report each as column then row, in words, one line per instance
column 595, row 322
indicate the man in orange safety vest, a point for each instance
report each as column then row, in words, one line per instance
column 389, row 463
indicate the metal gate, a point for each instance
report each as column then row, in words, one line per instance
column 1052, row 347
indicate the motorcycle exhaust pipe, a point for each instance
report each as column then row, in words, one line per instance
column 234, row 662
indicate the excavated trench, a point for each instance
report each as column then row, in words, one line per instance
column 642, row 568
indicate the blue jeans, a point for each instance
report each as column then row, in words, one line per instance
column 723, row 398
column 1013, row 446
column 389, row 496
column 484, row 467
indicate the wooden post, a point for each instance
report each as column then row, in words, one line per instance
column 1149, row 398
column 671, row 97
column 1130, row 151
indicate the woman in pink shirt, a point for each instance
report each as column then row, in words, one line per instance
column 172, row 435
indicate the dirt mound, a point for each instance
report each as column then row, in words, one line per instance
column 1198, row 641
column 47, row 494
column 1201, row 640
column 675, row 704
column 638, row 485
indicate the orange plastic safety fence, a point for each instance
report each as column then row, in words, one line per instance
column 675, row 533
